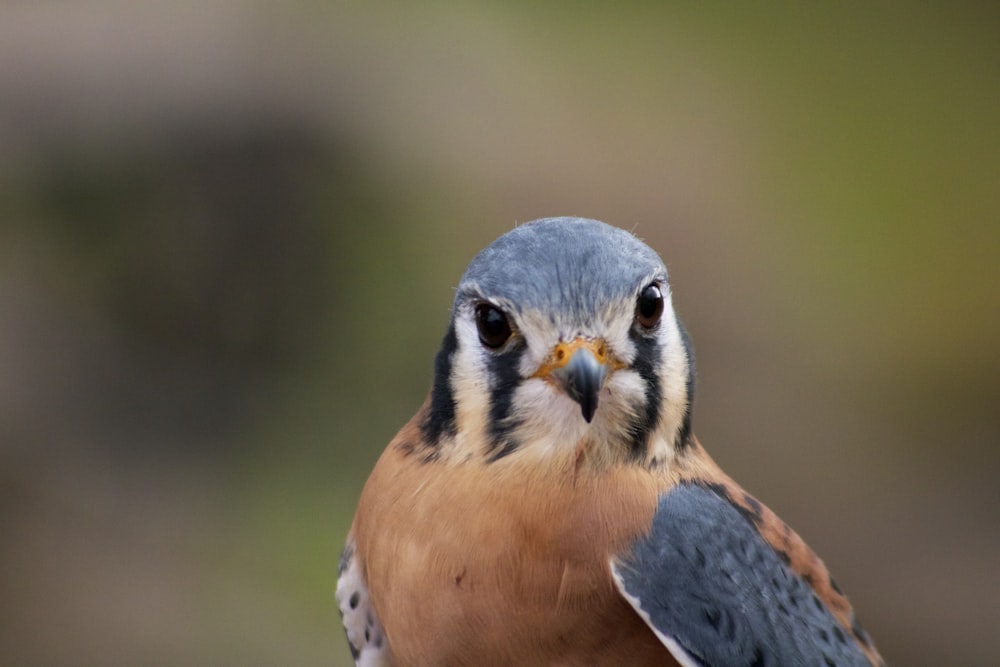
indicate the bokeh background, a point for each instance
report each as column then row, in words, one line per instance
column 229, row 235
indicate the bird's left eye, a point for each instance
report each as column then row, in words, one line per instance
column 649, row 306
column 494, row 328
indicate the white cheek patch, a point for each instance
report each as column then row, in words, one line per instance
column 624, row 392
column 673, row 374
column 469, row 383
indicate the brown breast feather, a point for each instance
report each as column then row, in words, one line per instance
column 510, row 561
column 465, row 560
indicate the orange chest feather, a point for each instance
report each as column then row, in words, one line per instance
column 467, row 560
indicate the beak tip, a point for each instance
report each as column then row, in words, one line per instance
column 588, row 405
column 582, row 379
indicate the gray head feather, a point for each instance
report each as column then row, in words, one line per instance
column 562, row 264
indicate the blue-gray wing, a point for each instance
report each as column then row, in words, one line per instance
column 716, row 593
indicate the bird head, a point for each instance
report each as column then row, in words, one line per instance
column 563, row 334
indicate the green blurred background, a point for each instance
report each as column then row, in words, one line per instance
column 229, row 235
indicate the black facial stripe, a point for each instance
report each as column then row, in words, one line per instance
column 505, row 377
column 684, row 435
column 647, row 358
column 440, row 419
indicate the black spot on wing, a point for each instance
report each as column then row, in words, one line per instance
column 647, row 360
column 440, row 419
column 505, row 377
column 755, row 511
column 706, row 578
column 860, row 633
column 750, row 509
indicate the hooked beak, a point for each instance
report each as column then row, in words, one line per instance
column 579, row 368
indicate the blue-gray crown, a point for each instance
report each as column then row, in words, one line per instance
column 562, row 264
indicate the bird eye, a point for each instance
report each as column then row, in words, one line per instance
column 494, row 329
column 649, row 306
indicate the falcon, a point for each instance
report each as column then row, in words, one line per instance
column 549, row 503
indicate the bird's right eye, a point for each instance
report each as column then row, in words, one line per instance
column 494, row 328
column 649, row 306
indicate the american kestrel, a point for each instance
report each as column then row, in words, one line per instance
column 549, row 504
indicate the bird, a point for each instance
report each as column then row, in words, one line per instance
column 549, row 503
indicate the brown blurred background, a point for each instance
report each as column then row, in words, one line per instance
column 229, row 234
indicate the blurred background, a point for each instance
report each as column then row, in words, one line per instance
column 230, row 232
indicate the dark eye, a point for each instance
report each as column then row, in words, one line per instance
column 494, row 329
column 649, row 306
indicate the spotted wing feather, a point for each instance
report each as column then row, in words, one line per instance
column 364, row 631
column 716, row 593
